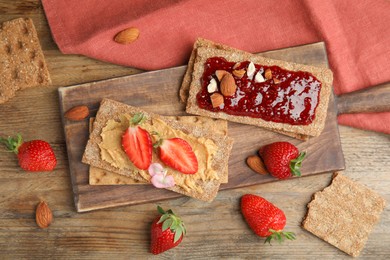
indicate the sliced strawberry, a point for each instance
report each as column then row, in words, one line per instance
column 178, row 154
column 137, row 144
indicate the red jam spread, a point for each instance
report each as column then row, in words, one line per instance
column 293, row 100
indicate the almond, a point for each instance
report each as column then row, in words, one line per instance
column 212, row 86
column 255, row 163
column 239, row 73
column 268, row 74
column 216, row 100
column 235, row 66
column 127, row 36
column 43, row 215
column 220, row 74
column 228, row 85
column 276, row 81
column 77, row 113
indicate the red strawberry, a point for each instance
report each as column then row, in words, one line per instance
column 34, row 156
column 167, row 231
column 282, row 159
column 178, row 154
column 137, row 143
column 264, row 218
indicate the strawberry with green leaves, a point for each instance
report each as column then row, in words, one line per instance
column 264, row 218
column 282, row 159
column 167, row 231
column 34, row 156
column 137, row 143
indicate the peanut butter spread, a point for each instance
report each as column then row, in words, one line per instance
column 112, row 152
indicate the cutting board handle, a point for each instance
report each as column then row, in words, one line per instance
column 368, row 100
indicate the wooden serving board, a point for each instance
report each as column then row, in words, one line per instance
column 157, row 92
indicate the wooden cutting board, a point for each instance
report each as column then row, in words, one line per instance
column 157, row 92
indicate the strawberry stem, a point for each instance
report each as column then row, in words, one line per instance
column 170, row 220
column 295, row 164
column 12, row 143
column 137, row 119
column 159, row 141
column 279, row 235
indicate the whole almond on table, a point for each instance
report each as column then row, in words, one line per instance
column 43, row 215
column 228, row 85
column 216, row 100
column 127, row 36
column 77, row 113
column 255, row 163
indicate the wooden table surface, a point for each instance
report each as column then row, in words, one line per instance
column 215, row 230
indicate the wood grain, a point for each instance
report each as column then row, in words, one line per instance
column 145, row 91
column 215, row 230
column 368, row 100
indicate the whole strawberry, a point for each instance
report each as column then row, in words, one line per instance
column 265, row 219
column 34, row 156
column 167, row 231
column 282, row 159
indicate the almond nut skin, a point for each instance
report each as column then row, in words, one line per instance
column 239, row 73
column 255, row 163
column 216, row 100
column 228, row 85
column 220, row 74
column 43, row 215
column 276, row 81
column 127, row 36
column 77, row 113
column 268, row 74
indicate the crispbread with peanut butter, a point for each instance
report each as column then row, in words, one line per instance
column 22, row 62
column 102, row 177
column 205, row 189
column 314, row 128
column 344, row 214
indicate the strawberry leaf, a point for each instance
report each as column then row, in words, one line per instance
column 279, row 236
column 178, row 233
column 167, row 223
column 160, row 210
column 137, row 119
column 12, row 143
column 296, row 164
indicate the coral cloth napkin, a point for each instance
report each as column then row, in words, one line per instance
column 357, row 34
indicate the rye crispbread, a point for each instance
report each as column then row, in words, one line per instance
column 102, row 177
column 322, row 74
column 185, row 86
column 99, row 176
column 22, row 62
column 200, row 42
column 344, row 214
column 110, row 109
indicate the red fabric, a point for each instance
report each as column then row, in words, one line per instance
column 357, row 34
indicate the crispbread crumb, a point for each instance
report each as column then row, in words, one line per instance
column 344, row 214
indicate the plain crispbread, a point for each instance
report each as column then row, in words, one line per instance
column 110, row 109
column 102, row 177
column 22, row 62
column 322, row 74
column 344, row 214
